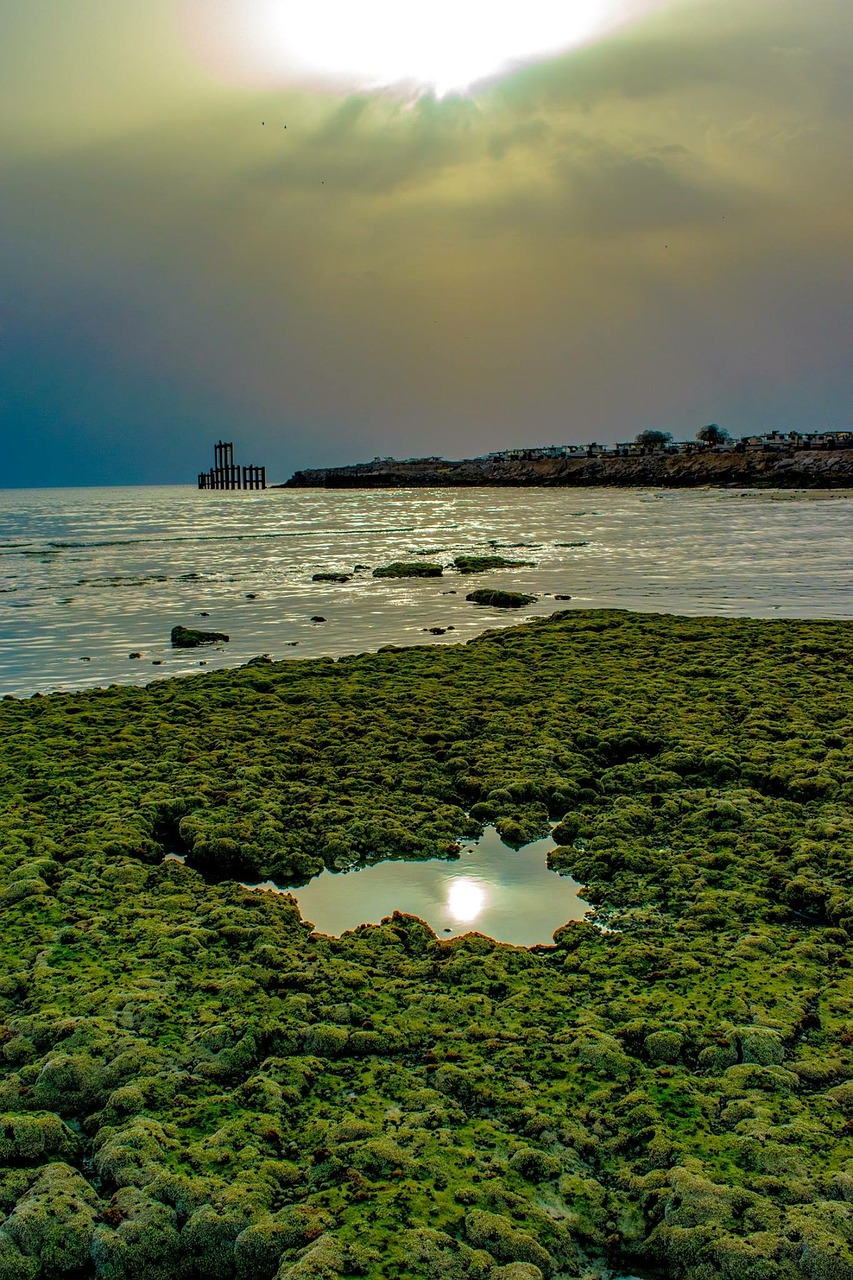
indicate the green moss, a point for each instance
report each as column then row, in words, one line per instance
column 192, row 1085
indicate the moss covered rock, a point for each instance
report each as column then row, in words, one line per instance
column 408, row 569
column 192, row 638
column 54, row 1222
column 496, row 599
column 482, row 564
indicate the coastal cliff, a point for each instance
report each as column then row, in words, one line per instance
column 741, row 468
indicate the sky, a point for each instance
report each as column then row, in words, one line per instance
column 648, row 225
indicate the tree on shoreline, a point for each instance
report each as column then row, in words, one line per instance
column 712, row 434
column 652, row 439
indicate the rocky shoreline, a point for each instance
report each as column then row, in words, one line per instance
column 736, row 468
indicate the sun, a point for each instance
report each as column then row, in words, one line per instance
column 438, row 45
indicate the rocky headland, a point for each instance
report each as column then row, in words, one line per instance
column 739, row 468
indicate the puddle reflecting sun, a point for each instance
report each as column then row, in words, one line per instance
column 465, row 900
column 506, row 894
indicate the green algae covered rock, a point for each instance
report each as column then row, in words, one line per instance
column 207, row 1242
column 324, row 1260
column 534, row 1165
column 191, row 638
column 664, row 1046
column 500, row 599
column 15, row 1265
column 54, row 1221
column 482, row 564
column 435, row 1255
column 761, row 1045
column 500, row 1237
column 32, row 1136
column 27, row 887
column 516, row 1271
column 259, row 1249
column 407, row 569
column 138, row 1237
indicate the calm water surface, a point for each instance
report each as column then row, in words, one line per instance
column 88, row 576
column 507, row 894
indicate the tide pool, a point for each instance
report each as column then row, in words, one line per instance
column 507, row 894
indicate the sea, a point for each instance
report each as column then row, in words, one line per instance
column 93, row 580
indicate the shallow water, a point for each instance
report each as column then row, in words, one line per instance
column 506, row 894
column 88, row 576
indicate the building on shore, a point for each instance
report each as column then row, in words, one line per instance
column 226, row 474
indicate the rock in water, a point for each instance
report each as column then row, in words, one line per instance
column 401, row 569
column 189, row 638
column 500, row 599
column 482, row 564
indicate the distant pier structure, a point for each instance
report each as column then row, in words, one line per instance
column 226, row 474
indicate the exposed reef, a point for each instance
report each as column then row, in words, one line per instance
column 194, row 1086
column 767, row 468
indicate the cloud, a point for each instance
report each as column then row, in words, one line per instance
column 639, row 232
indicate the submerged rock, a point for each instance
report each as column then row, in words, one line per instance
column 330, row 577
column 500, row 599
column 190, row 638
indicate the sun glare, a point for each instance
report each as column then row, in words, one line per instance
column 465, row 900
column 442, row 46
